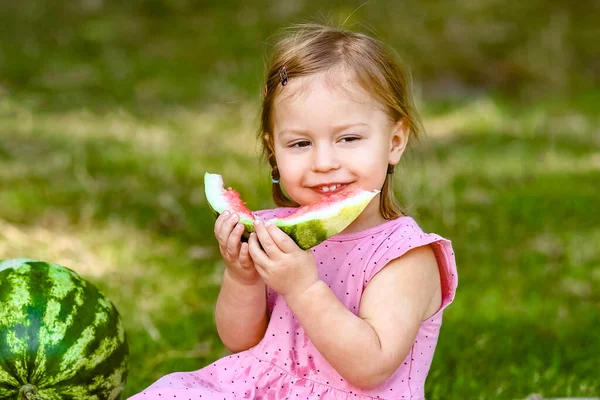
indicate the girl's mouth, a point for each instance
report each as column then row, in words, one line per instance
column 330, row 189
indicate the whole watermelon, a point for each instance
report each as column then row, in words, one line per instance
column 60, row 338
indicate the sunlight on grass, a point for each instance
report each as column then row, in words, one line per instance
column 582, row 249
column 66, row 248
column 223, row 127
column 483, row 115
column 92, row 249
column 477, row 114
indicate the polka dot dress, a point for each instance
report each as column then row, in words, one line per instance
column 286, row 365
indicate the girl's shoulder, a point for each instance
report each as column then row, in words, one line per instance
column 379, row 245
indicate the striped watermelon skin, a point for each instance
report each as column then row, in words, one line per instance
column 60, row 338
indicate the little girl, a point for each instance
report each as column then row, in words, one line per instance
column 359, row 315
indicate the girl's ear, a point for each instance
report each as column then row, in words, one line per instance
column 398, row 140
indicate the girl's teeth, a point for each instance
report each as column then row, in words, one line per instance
column 329, row 188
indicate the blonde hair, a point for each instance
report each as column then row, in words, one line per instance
column 313, row 48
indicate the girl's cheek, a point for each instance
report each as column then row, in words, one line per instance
column 292, row 162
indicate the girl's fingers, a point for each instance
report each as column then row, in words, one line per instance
column 219, row 222
column 283, row 241
column 227, row 225
column 234, row 240
column 258, row 256
column 265, row 239
column 245, row 259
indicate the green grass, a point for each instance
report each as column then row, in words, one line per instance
column 119, row 198
column 111, row 116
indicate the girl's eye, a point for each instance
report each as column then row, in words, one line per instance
column 303, row 143
column 349, row 139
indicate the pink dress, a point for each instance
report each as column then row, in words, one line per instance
column 286, row 365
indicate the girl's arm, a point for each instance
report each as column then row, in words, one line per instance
column 241, row 313
column 367, row 349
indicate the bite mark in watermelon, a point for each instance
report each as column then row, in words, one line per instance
column 308, row 226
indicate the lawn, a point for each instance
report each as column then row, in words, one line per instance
column 110, row 116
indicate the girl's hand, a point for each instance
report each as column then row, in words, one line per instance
column 235, row 253
column 284, row 266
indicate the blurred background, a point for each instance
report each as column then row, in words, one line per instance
column 111, row 112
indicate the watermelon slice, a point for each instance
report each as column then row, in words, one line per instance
column 308, row 226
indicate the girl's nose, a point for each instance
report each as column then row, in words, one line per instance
column 324, row 158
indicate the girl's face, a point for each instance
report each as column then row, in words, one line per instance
column 330, row 138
